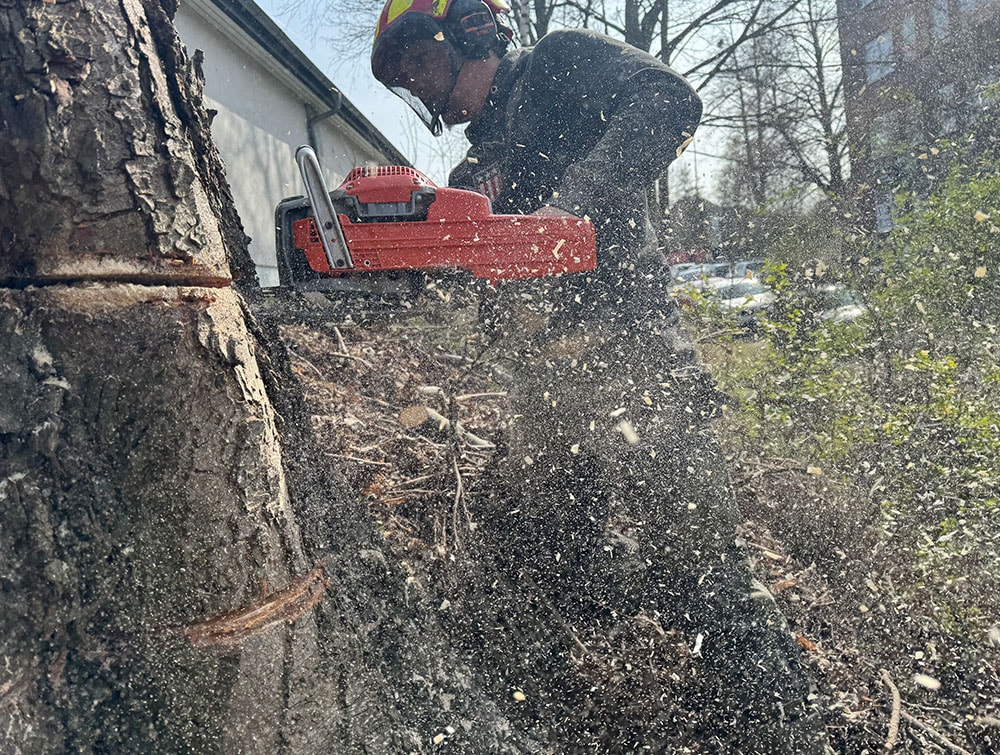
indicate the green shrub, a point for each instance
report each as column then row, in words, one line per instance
column 899, row 407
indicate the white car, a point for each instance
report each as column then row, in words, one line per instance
column 747, row 268
column 700, row 275
column 838, row 304
column 745, row 299
column 743, row 295
column 681, row 267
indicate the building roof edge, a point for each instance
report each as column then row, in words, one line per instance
column 255, row 23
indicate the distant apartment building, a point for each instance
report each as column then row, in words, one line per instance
column 914, row 71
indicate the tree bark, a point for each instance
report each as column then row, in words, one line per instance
column 99, row 179
column 142, row 495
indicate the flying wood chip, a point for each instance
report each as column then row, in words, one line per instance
column 927, row 682
column 804, row 642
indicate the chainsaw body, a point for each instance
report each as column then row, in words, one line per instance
column 393, row 219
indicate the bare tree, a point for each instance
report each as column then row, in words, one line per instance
column 758, row 173
column 813, row 125
column 781, row 101
column 686, row 33
column 698, row 37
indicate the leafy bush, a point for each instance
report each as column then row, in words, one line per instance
column 899, row 412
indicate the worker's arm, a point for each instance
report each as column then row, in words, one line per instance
column 648, row 112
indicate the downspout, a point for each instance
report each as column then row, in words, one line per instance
column 312, row 118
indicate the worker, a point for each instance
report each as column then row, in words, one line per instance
column 579, row 124
column 613, row 496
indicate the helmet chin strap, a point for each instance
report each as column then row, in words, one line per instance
column 457, row 61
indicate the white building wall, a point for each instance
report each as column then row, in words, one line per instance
column 261, row 120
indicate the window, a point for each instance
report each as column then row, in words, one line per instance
column 883, row 212
column 878, row 57
column 883, row 134
column 948, row 108
column 863, row 3
column 911, row 122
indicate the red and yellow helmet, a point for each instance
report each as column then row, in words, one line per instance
column 470, row 29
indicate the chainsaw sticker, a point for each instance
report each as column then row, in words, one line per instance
column 488, row 181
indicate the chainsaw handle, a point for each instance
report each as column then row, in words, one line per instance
column 331, row 234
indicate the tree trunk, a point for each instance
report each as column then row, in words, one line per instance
column 142, row 496
column 181, row 571
column 143, row 492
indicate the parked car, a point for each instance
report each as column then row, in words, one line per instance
column 748, row 294
column 836, row 303
column 700, row 275
column 745, row 299
column 681, row 267
column 747, row 268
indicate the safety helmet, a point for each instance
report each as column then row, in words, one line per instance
column 469, row 30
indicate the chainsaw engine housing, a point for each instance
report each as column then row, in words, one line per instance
column 394, row 219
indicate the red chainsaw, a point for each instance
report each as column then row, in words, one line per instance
column 387, row 220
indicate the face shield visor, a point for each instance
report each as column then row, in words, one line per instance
column 413, row 59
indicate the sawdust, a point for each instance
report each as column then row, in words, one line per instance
column 359, row 378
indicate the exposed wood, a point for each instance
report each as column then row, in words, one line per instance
column 289, row 604
column 417, row 415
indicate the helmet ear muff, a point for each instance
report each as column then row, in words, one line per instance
column 472, row 28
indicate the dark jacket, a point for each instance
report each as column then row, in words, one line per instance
column 585, row 123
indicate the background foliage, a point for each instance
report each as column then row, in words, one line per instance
column 896, row 414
